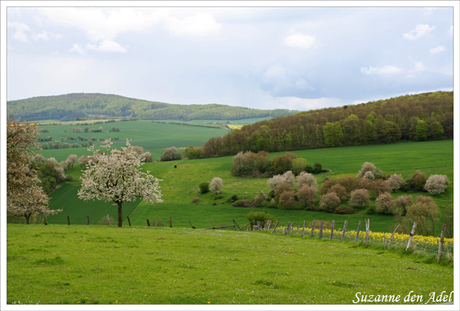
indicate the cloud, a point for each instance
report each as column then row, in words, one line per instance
column 20, row 30
column 200, row 24
column 438, row 49
column 388, row 69
column 419, row 31
column 107, row 46
column 44, row 35
column 451, row 30
column 419, row 66
column 280, row 83
column 300, row 41
column 76, row 48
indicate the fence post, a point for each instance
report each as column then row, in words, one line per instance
column 303, row 232
column 411, row 235
column 108, row 220
column 391, row 238
column 332, row 230
column 344, row 230
column 357, row 231
column 68, row 220
column 321, row 229
column 292, row 227
column 312, row 228
column 246, row 225
column 298, row 228
column 44, row 219
column 170, row 222
column 268, row 225
column 193, row 225
column 441, row 242
column 367, row 230
column 236, row 225
column 276, row 225
column 87, row 219
column 129, row 221
column 148, row 223
column 286, row 228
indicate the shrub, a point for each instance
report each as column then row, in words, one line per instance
column 242, row 203
column 359, row 198
column 275, row 181
column 218, row 197
column 282, row 164
column 283, row 187
column 436, row 184
column 289, row 177
column 329, row 202
column 423, row 212
column 340, row 191
column 232, row 199
column 366, row 167
column 378, row 187
column 384, row 203
column 415, row 183
column 171, row 154
column 317, row 168
column 204, row 187
column 327, row 184
column 369, row 175
column 363, row 183
column 196, row 200
column 394, row 181
column 287, row 199
column 307, row 195
column 309, row 168
column 216, row 184
column 272, row 204
column 260, row 199
column 401, row 204
column 343, row 209
column 308, row 179
column 260, row 216
column 298, row 165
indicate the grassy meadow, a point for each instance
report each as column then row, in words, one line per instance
column 60, row 264
column 180, row 186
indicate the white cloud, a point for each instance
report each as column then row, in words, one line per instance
column 20, row 30
column 451, row 30
column 44, row 35
column 419, row 66
column 200, row 24
column 419, row 31
column 300, row 41
column 76, row 48
column 388, row 69
column 107, row 46
column 438, row 49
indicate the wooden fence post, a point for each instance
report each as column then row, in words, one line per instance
column 87, row 219
column 129, row 221
column 332, row 230
column 303, row 232
column 108, row 220
column 148, row 223
column 170, row 222
column 246, row 225
column 321, row 229
column 411, row 235
column 367, row 230
column 292, row 227
column 44, row 219
column 191, row 224
column 276, row 225
column 234, row 222
column 68, row 220
column 298, row 228
column 357, row 231
column 391, row 238
column 312, row 228
column 441, row 242
column 344, row 230
column 268, row 225
column 286, row 228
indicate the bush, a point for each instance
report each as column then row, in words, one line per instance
column 369, row 175
column 343, row 209
column 287, row 199
column 394, row 181
column 242, row 203
column 436, row 184
column 196, row 200
column 378, row 187
column 260, row 199
column 307, row 195
column 283, row 187
column 204, row 187
column 359, row 198
column 216, row 184
column 260, row 216
column 218, row 197
column 340, row 191
column 272, row 204
column 298, row 165
column 425, row 213
column 329, row 202
column 366, row 167
column 232, row 199
column 317, row 168
column 415, row 183
column 363, row 183
column 171, row 154
column 384, row 203
column 402, row 203
column 309, row 168
column 308, row 179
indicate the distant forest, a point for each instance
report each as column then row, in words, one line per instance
column 72, row 106
column 427, row 116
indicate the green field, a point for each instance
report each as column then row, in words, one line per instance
column 153, row 137
column 60, row 264
column 180, row 187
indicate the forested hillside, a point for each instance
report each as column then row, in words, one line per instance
column 427, row 116
column 71, row 106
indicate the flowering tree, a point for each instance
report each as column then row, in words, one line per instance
column 24, row 196
column 308, row 179
column 215, row 184
column 395, row 182
column 436, row 184
column 115, row 176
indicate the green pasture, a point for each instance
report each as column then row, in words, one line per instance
column 153, row 137
column 60, row 264
column 180, row 186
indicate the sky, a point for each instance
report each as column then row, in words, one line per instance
column 263, row 57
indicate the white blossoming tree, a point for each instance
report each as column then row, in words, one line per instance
column 216, row 184
column 114, row 176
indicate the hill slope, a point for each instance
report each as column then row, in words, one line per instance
column 83, row 105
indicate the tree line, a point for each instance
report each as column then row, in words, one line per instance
column 427, row 116
column 80, row 106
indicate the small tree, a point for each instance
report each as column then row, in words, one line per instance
column 378, row 187
column 307, row 195
column 216, row 184
column 395, row 182
column 340, row 191
column 260, row 216
column 359, row 198
column 436, row 184
column 402, row 203
column 283, row 187
column 308, row 179
column 204, row 187
column 366, row 167
column 369, row 175
column 287, row 199
column 384, row 203
column 329, row 202
column 114, row 176
column 260, row 199
column 171, row 154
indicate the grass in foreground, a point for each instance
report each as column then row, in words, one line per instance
column 59, row 264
